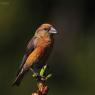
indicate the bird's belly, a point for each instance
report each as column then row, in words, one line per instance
column 33, row 57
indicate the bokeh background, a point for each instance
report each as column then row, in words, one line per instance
column 72, row 61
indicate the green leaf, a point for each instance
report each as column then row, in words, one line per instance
column 48, row 76
column 43, row 70
column 34, row 75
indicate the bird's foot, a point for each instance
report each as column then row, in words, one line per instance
column 41, row 76
column 35, row 74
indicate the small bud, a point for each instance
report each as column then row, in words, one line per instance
column 35, row 93
column 45, row 90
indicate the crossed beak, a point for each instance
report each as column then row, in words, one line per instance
column 53, row 30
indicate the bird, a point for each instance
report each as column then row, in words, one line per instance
column 37, row 51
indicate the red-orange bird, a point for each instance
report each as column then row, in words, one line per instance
column 38, row 50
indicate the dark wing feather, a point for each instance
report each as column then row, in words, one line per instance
column 29, row 49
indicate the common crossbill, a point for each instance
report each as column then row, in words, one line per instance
column 38, row 50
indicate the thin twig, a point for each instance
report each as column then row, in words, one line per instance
column 42, row 88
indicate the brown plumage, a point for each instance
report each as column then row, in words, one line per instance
column 38, row 50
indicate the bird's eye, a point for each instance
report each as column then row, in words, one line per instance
column 46, row 29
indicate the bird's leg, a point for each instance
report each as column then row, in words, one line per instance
column 38, row 76
column 34, row 72
column 42, row 75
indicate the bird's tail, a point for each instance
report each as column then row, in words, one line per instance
column 19, row 78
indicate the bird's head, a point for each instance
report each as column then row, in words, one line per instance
column 46, row 29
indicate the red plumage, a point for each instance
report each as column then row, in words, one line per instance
column 38, row 50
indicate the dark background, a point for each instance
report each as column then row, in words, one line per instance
column 72, row 61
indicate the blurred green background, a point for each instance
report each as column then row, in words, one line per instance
column 72, row 61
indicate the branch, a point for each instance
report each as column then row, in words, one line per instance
column 42, row 89
column 41, row 82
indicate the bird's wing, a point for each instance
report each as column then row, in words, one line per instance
column 29, row 49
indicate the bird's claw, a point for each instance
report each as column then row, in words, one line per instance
column 41, row 75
